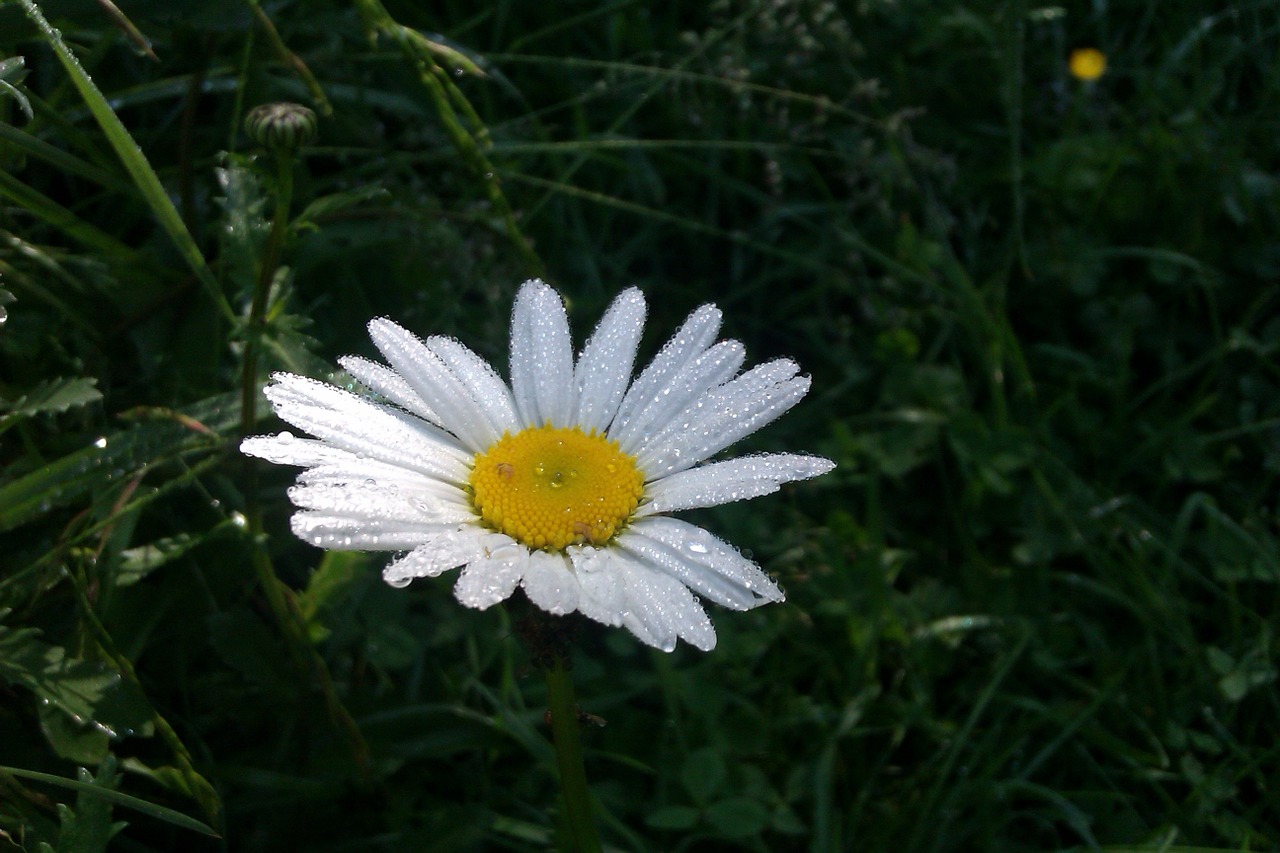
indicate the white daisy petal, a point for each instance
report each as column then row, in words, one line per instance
column 690, row 341
column 604, row 367
column 381, row 379
column 549, row 583
column 438, row 553
column 459, row 411
column 662, row 609
column 483, row 383
column 603, row 596
column 721, row 417
column 410, row 484
column 707, row 564
column 494, row 577
column 541, row 356
column 731, row 480
column 343, row 533
column 374, row 501
column 287, row 449
column 709, row 370
column 385, row 434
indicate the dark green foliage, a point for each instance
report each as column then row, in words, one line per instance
column 1035, row 608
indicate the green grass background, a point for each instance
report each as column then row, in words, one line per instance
column 1034, row 608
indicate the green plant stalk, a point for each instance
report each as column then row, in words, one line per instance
column 291, row 59
column 284, row 610
column 144, row 177
column 573, row 777
column 443, row 96
column 262, row 293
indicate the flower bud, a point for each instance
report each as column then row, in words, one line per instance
column 281, row 126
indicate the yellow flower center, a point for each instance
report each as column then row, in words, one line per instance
column 551, row 487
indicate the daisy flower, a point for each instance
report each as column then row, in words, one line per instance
column 560, row 483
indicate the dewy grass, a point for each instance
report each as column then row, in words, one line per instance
column 1034, row 608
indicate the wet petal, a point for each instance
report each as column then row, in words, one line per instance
column 710, row 370
column 661, row 609
column 604, row 368
column 382, row 380
column 435, row 382
column 541, row 356
column 690, row 341
column 706, row 564
column 442, row 551
column 493, row 578
column 549, row 583
column 723, row 416
column 731, row 480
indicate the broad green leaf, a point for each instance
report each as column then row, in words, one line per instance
column 90, row 692
column 73, row 741
column 88, row 828
column 244, row 226
column 55, row 395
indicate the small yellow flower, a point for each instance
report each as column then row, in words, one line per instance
column 1087, row 64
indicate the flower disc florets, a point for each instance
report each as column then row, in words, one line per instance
column 551, row 487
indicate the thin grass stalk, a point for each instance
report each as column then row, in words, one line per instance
column 139, row 168
column 378, row 20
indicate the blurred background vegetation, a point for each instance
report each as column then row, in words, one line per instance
column 1033, row 609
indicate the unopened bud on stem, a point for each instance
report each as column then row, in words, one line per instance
column 281, row 126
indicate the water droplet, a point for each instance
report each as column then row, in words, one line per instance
column 399, row 582
column 101, row 442
column 238, row 519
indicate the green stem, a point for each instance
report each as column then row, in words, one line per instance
column 284, row 609
column 573, row 778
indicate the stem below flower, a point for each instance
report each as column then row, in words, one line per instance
column 573, row 778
